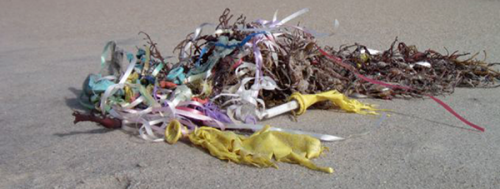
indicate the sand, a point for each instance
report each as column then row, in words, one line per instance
column 47, row 48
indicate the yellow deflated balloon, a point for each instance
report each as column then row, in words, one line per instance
column 339, row 99
column 261, row 147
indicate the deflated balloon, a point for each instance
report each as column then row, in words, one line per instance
column 260, row 148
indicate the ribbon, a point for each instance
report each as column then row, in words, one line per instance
column 109, row 44
column 392, row 86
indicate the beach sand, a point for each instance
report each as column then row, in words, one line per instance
column 47, row 48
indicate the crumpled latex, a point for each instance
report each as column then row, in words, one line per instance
column 260, row 148
column 339, row 99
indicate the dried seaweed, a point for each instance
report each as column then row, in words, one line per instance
column 297, row 66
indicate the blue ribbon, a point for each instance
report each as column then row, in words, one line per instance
column 218, row 44
column 176, row 75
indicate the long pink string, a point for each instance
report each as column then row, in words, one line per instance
column 444, row 105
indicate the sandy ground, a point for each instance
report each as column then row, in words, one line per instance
column 48, row 47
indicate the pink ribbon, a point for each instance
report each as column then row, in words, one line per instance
column 339, row 61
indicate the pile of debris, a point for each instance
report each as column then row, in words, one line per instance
column 244, row 72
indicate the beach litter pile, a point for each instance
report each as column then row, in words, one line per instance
column 225, row 82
